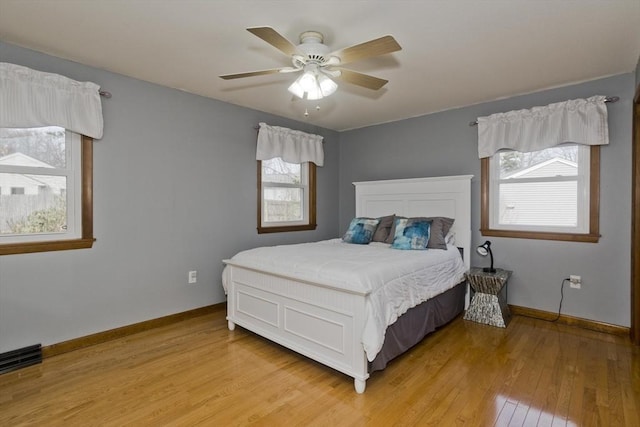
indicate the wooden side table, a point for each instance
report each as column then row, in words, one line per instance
column 488, row 305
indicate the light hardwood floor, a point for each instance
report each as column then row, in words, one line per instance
column 196, row 372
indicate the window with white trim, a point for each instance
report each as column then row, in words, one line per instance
column 42, row 167
column 545, row 194
column 286, row 196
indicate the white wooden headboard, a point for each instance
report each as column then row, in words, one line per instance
column 448, row 196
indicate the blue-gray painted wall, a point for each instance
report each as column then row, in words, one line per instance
column 174, row 190
column 445, row 144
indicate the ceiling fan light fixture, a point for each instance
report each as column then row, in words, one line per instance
column 327, row 86
column 296, row 89
column 312, row 84
column 305, row 84
column 314, row 92
column 308, row 81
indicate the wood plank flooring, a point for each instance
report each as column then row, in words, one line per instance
column 196, row 372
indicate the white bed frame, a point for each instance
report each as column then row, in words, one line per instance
column 325, row 323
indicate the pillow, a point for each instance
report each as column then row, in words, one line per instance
column 360, row 231
column 450, row 238
column 411, row 233
column 392, row 232
column 439, row 228
column 384, row 228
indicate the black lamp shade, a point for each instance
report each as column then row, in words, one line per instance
column 483, row 250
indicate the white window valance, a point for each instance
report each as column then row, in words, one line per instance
column 580, row 121
column 30, row 98
column 292, row 146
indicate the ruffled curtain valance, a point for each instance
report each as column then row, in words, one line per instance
column 30, row 98
column 293, row 146
column 579, row 121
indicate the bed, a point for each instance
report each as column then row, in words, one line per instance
column 327, row 317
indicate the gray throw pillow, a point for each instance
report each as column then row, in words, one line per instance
column 384, row 228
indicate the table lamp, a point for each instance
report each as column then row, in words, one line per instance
column 483, row 250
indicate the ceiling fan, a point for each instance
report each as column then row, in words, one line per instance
column 319, row 64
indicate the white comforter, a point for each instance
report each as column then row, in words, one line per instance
column 394, row 280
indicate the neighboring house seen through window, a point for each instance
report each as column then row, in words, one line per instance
column 548, row 194
column 286, row 196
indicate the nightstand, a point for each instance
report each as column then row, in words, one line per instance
column 488, row 305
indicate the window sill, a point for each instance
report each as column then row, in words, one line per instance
column 54, row 245
column 264, row 230
column 567, row 237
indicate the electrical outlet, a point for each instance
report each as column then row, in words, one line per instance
column 193, row 276
column 575, row 281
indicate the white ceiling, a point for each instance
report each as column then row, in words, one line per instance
column 455, row 53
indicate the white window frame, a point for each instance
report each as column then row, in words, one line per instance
column 589, row 205
column 73, row 174
column 582, row 179
column 307, row 185
column 304, row 186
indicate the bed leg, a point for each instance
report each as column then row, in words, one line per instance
column 359, row 385
column 231, row 325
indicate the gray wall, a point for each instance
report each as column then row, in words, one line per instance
column 444, row 144
column 174, row 190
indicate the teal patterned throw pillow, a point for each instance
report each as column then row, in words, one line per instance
column 361, row 231
column 411, row 233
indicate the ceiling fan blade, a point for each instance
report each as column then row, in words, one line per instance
column 274, row 38
column 360, row 79
column 380, row 46
column 259, row 73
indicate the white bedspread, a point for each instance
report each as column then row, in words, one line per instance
column 394, row 280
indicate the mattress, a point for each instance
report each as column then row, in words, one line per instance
column 392, row 280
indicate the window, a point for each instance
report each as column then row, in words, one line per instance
column 549, row 194
column 49, row 173
column 286, row 196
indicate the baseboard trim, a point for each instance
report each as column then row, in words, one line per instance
column 111, row 334
column 593, row 325
column 100, row 337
